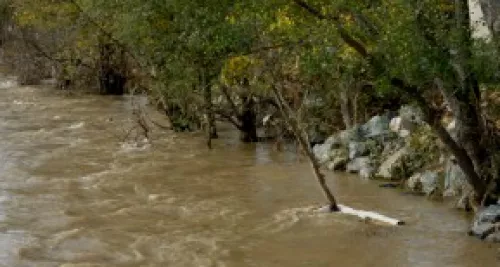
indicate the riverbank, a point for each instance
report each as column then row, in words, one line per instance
column 402, row 151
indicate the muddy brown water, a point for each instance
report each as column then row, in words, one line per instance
column 75, row 192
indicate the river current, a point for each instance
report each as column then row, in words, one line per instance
column 79, row 187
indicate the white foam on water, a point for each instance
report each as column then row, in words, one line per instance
column 141, row 145
column 22, row 103
column 286, row 219
column 76, row 125
column 5, row 84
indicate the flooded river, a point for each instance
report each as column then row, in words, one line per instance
column 75, row 190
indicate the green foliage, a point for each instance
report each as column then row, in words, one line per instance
column 176, row 43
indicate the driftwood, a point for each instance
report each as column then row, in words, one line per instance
column 364, row 215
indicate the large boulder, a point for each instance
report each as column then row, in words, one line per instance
column 376, row 126
column 389, row 167
column 402, row 126
column 346, row 136
column 357, row 149
column 411, row 114
column 455, row 180
column 426, row 182
column 486, row 223
column 322, row 152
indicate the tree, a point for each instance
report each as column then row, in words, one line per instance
column 424, row 51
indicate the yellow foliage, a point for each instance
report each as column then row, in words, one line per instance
column 283, row 21
column 237, row 68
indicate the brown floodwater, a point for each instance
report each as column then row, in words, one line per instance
column 77, row 189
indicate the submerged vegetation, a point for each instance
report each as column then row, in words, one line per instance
column 278, row 68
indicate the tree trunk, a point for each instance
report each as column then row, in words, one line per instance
column 111, row 79
column 301, row 137
column 209, row 112
column 346, row 107
column 248, row 120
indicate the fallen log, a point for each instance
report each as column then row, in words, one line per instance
column 363, row 214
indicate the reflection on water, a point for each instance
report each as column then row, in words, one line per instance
column 74, row 192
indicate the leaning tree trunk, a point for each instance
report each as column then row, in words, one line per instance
column 301, row 137
column 472, row 132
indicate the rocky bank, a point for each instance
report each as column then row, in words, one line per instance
column 403, row 150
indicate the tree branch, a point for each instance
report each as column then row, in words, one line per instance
column 346, row 37
column 227, row 95
column 229, row 118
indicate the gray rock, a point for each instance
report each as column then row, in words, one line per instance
column 412, row 115
column 402, row 127
column 349, row 135
column 386, row 168
column 490, row 214
column 486, row 223
column 376, row 126
column 322, row 152
column 357, row 164
column 334, row 141
column 338, row 160
column 357, row 149
column 482, row 230
column 455, row 181
column 426, row 182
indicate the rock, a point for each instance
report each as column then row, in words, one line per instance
column 349, row 135
column 426, row 182
column 376, row 126
column 322, row 152
column 412, row 115
column 455, row 180
column 338, row 160
column 395, row 124
column 334, row 141
column 402, row 127
column 357, row 149
column 490, row 214
column 486, row 224
column 387, row 167
column 357, row 164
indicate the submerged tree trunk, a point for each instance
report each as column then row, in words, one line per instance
column 248, row 120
